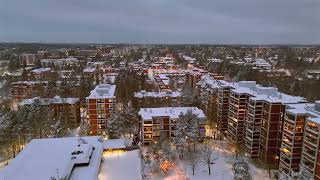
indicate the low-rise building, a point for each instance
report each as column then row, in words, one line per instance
column 66, row 110
column 161, row 122
column 41, row 74
column 57, row 158
column 27, row 89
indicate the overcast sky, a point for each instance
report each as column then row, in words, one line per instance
column 161, row 21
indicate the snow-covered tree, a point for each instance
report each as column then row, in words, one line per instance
column 129, row 117
column 188, row 97
column 160, row 157
column 241, row 168
column 194, row 158
column 114, row 126
column 303, row 174
column 186, row 131
column 206, row 153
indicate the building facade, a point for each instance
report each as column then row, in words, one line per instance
column 101, row 103
column 161, row 122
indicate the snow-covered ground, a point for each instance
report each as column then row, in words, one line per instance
column 75, row 132
column 220, row 169
column 120, row 165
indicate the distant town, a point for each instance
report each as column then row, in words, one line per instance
column 159, row 111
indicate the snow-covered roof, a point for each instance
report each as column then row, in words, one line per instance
column 258, row 92
column 103, row 91
column 30, row 82
column 309, row 109
column 40, row 70
column 89, row 70
column 47, row 101
column 45, row 158
column 172, row 112
column 143, row 94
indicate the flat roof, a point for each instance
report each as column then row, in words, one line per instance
column 103, row 91
column 155, row 94
column 172, row 112
column 45, row 158
column 258, row 92
column 47, row 101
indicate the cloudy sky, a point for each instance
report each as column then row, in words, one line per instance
column 161, row 21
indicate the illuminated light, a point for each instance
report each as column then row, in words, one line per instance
column 285, row 150
column 166, row 165
column 113, row 153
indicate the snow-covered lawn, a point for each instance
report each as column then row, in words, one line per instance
column 220, row 169
column 120, row 165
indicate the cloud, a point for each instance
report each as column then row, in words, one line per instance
column 161, row 21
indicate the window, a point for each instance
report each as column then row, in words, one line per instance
column 100, row 106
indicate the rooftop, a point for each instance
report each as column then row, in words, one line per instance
column 143, row 94
column 40, row 70
column 47, row 101
column 45, row 158
column 172, row 112
column 89, row 70
column 309, row 109
column 258, row 92
column 103, row 91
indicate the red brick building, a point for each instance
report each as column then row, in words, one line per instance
column 101, row 103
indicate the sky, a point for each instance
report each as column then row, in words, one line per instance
column 161, row 21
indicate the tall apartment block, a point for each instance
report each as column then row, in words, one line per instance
column 292, row 138
column 214, row 94
column 101, row 103
column 161, row 122
column 253, row 126
column 310, row 158
column 223, row 107
column 237, row 111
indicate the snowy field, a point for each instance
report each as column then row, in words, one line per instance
column 120, row 165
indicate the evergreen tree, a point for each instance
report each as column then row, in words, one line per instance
column 241, row 168
column 114, row 126
column 186, row 131
column 187, row 96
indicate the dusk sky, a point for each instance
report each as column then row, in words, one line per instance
column 161, row 21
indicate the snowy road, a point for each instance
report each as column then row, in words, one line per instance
column 120, row 165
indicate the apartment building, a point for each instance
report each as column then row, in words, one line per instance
column 27, row 89
column 161, row 122
column 66, row 110
column 30, row 59
column 237, row 111
column 41, row 74
column 310, row 158
column 214, row 96
column 252, row 126
column 292, row 138
column 223, row 107
column 157, row 99
column 91, row 73
column 193, row 76
column 101, row 103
